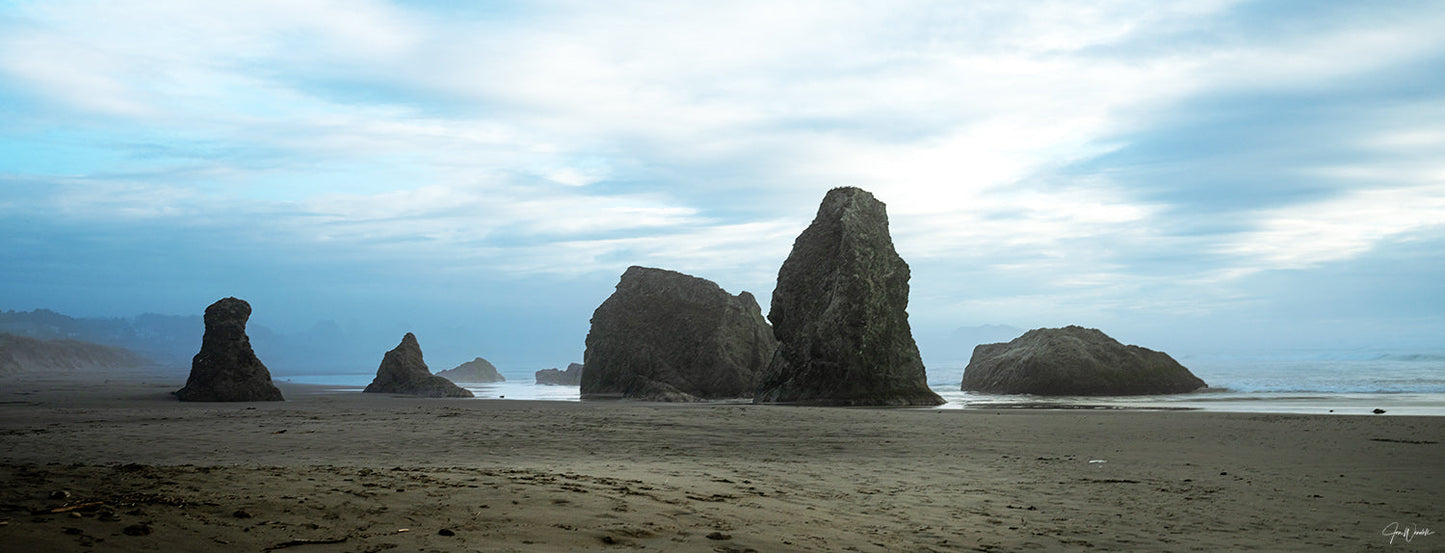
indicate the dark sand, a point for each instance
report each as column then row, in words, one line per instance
column 372, row 472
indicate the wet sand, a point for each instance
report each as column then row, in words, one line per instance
column 131, row 469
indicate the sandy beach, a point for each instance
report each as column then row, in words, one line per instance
column 123, row 466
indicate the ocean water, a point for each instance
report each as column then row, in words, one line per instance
column 512, row 389
column 1350, row 383
column 1324, row 383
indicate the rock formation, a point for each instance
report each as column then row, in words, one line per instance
column 226, row 369
column 1074, row 361
column 403, row 371
column 840, row 314
column 667, row 336
column 554, row 377
column 476, row 370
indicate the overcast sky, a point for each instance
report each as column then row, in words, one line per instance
column 1197, row 175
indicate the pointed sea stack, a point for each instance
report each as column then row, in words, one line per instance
column 226, row 368
column 403, row 371
column 1074, row 361
column 477, row 370
column 667, row 336
column 840, row 314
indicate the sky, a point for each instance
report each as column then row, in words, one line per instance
column 1192, row 176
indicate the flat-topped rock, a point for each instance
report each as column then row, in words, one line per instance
column 667, row 336
column 840, row 314
column 226, row 368
column 556, row 377
column 1074, row 361
column 477, row 370
column 403, row 371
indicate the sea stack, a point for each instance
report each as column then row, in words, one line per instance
column 840, row 314
column 667, row 336
column 403, row 371
column 477, row 370
column 226, row 368
column 555, row 377
column 1074, row 361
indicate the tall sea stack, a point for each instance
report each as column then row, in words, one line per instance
column 840, row 314
column 226, row 368
column 667, row 336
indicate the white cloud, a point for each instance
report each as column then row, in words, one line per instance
column 152, row 59
column 1340, row 228
column 1397, row 189
column 110, row 202
column 68, row 71
column 581, row 136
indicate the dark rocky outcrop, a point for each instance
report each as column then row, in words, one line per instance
column 476, row 370
column 667, row 336
column 554, row 377
column 1074, row 361
column 403, row 371
column 840, row 314
column 21, row 354
column 226, row 369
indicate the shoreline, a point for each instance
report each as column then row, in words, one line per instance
column 1213, row 400
column 603, row 475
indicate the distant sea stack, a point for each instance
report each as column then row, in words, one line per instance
column 403, row 371
column 840, row 314
column 477, row 370
column 1074, row 361
column 553, row 377
column 226, row 369
column 667, row 336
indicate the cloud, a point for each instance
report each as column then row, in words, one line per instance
column 1038, row 160
column 1340, row 228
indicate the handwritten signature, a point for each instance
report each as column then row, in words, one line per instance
column 1408, row 532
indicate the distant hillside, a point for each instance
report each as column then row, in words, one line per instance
column 172, row 340
column 20, row 354
column 167, row 339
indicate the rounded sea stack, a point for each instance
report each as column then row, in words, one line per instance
column 1074, row 361
column 667, row 336
column 477, row 371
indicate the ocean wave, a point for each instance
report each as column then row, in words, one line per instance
column 1361, row 388
column 1426, row 357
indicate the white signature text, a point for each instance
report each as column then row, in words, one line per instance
column 1407, row 532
